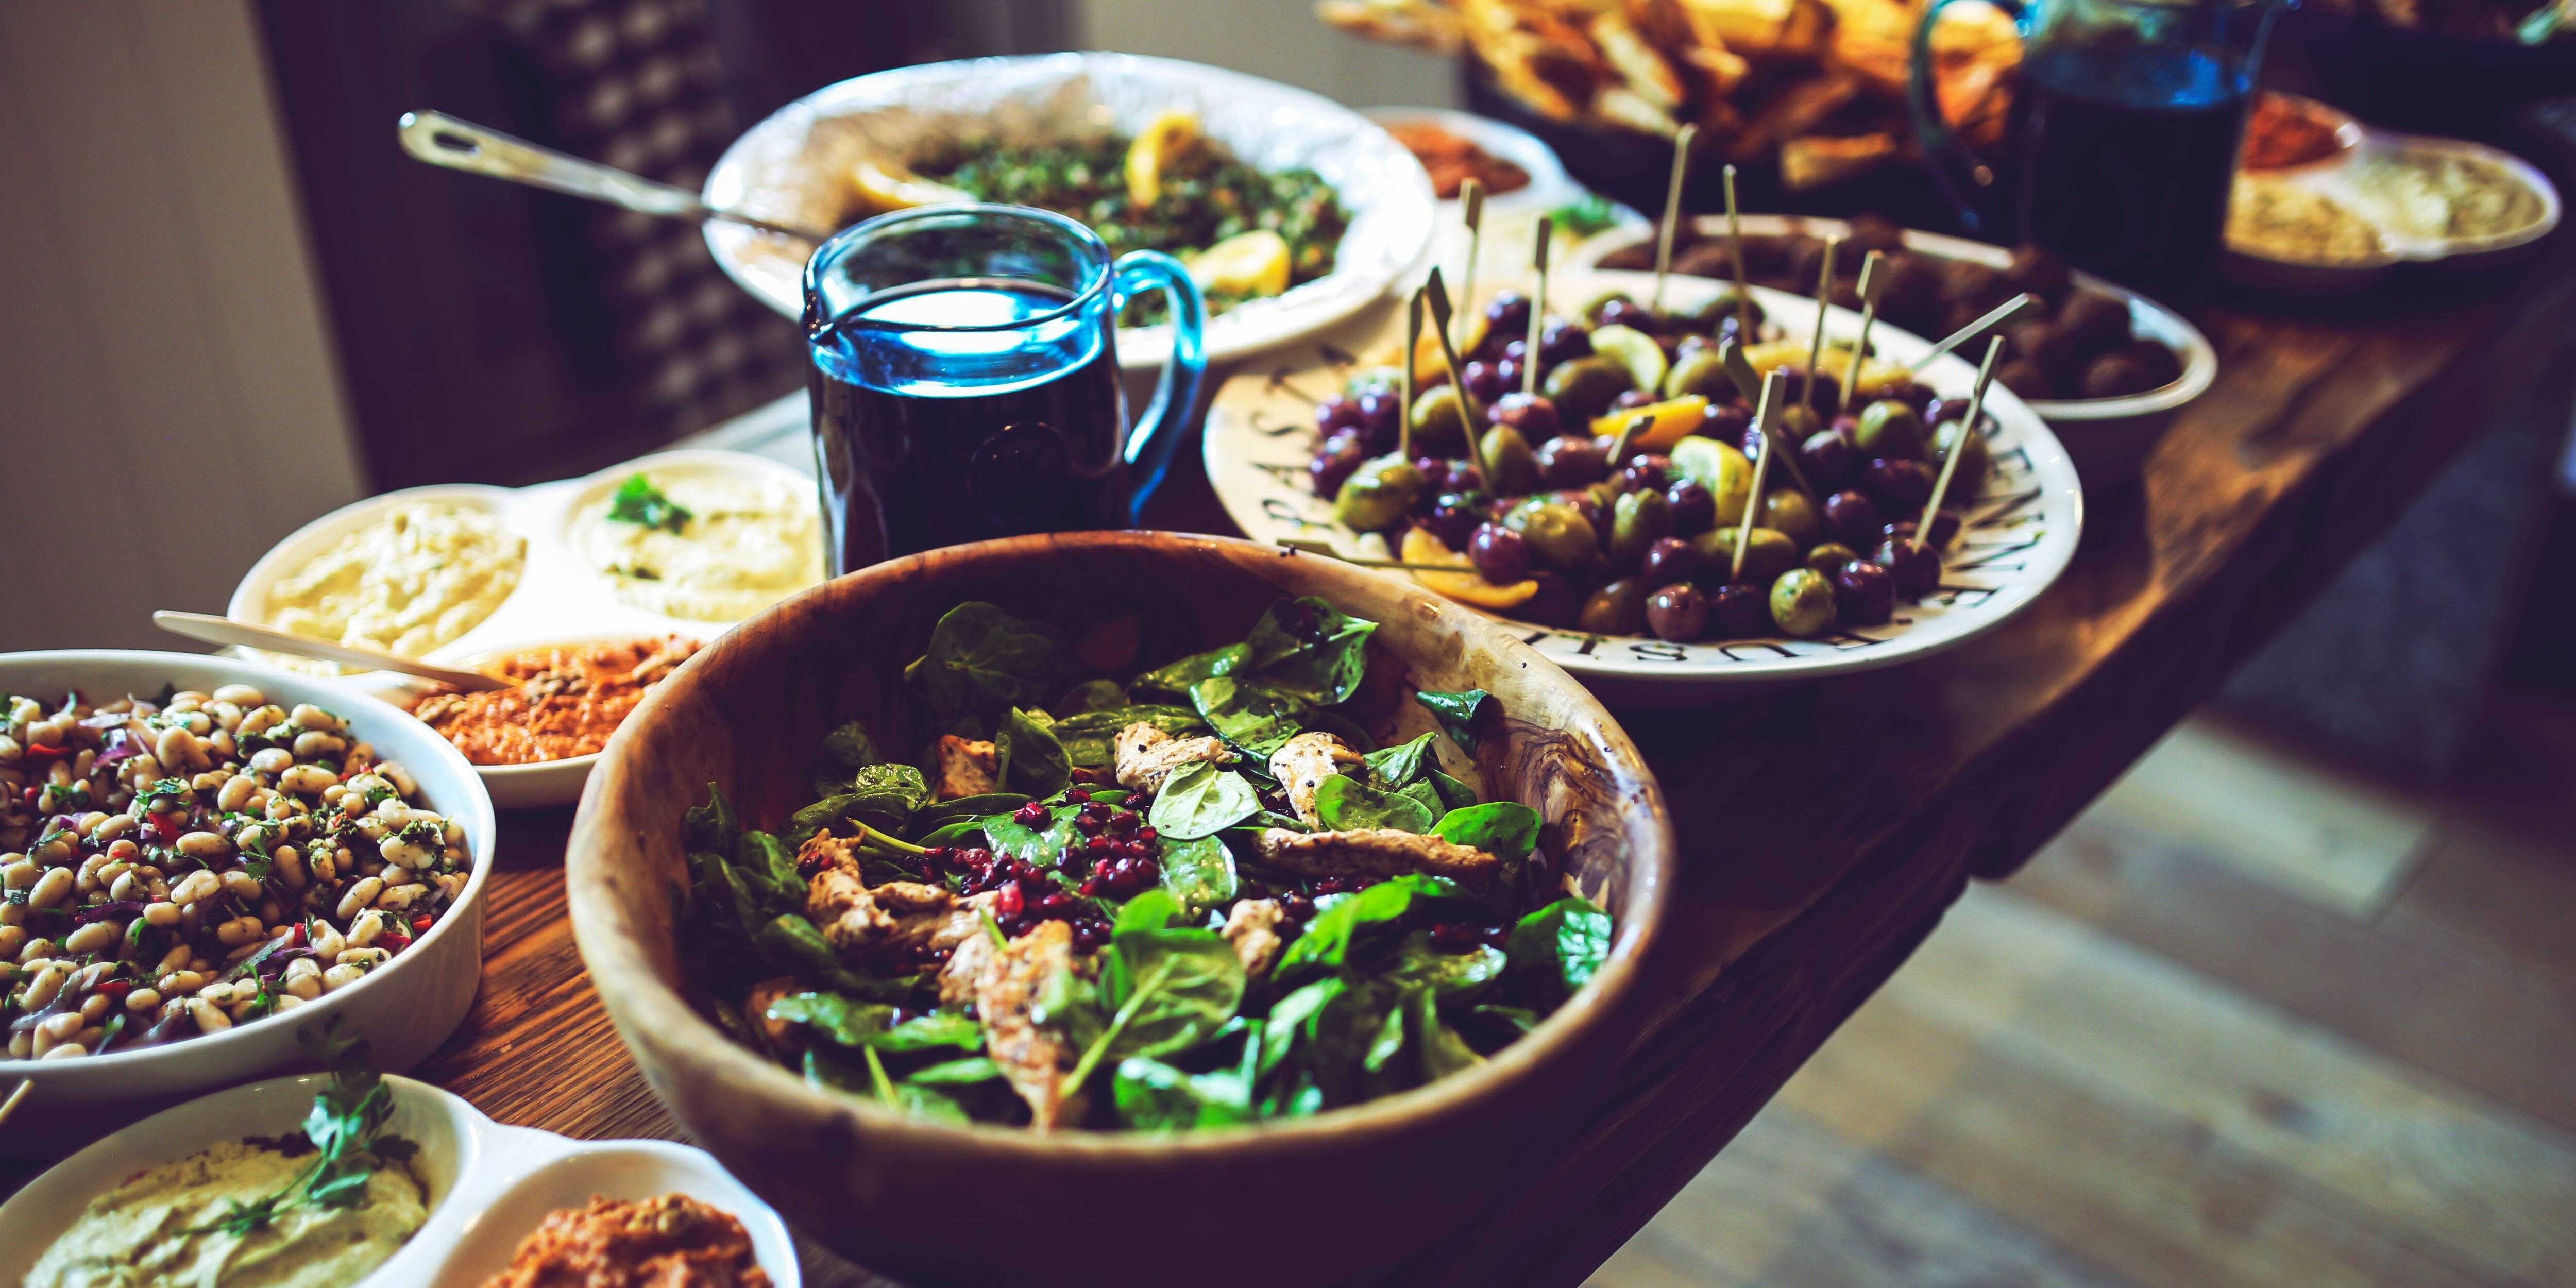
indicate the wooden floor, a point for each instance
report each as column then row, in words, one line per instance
column 2250, row 1021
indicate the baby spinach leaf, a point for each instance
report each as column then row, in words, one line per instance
column 1154, row 1096
column 1440, row 1049
column 1306, row 647
column 1448, row 975
column 770, row 869
column 1456, row 713
column 1152, row 910
column 950, row 832
column 711, row 826
column 1028, row 755
column 1178, row 678
column 956, row 1073
column 1516, row 1020
column 956, row 807
column 791, row 944
column 1453, row 793
column 1185, row 985
column 982, row 661
column 1555, row 949
column 852, row 1022
column 1423, row 793
column 1508, row 830
column 1090, row 695
column 1201, row 800
column 885, row 795
column 1291, row 1018
column 1402, row 763
column 1254, row 720
column 1345, row 803
column 1327, row 941
column 1199, row 874
column 845, row 751
column 1042, row 846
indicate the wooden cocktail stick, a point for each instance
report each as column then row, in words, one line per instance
column 1741, row 372
column 1950, row 459
column 1437, row 294
column 1743, row 292
column 1766, row 422
column 1325, row 550
column 1471, row 195
column 1872, row 286
column 1538, row 307
column 1995, row 317
column 1824, row 305
column 1412, row 341
column 1672, row 215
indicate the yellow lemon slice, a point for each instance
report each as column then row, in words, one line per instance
column 1635, row 350
column 1467, row 586
column 1668, row 422
column 887, row 185
column 1248, row 265
column 1153, row 150
column 1721, row 469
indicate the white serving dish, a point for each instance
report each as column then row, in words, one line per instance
column 489, row 1184
column 1549, row 185
column 2018, row 536
column 559, row 600
column 405, row 1009
column 2333, row 177
column 796, row 164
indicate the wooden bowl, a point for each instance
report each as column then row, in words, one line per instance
column 1290, row 1202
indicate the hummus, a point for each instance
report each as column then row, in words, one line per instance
column 148, row 1229
column 413, row 580
column 706, row 545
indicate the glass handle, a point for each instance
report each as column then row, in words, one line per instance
column 1150, row 444
column 1956, row 169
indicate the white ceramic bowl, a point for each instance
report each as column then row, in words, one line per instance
column 489, row 1184
column 797, row 164
column 1549, row 186
column 404, row 1009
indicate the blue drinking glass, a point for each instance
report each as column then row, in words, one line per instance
column 964, row 379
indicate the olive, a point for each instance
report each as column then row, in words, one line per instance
column 1912, row 393
column 1439, row 422
column 1499, row 553
column 1726, row 422
column 1792, row 513
column 1371, row 380
column 1722, row 469
column 2038, row 272
column 1974, row 287
column 1618, row 608
column 1532, row 414
column 1336, row 413
column 1694, row 510
column 1647, row 470
column 1669, row 560
column 1864, row 592
column 1769, row 553
column 2162, row 365
column 1797, row 425
column 1555, row 604
column 1616, row 309
column 1945, row 525
column 2026, row 379
column 1507, row 314
column 1828, row 458
column 1866, row 233
column 1914, row 566
column 2095, row 323
column 2116, row 375
column 1634, row 399
column 1637, row 521
column 2040, row 343
column 1853, row 519
column 1887, row 428
column 1677, row 612
column 1455, row 474
column 1700, row 372
column 1560, row 340
column 1969, row 478
column 1583, row 387
column 1941, row 409
column 1379, row 494
column 1508, row 455
column 1794, row 388
column 1802, row 602
column 1691, row 345
column 1739, row 610
column 1486, row 380
column 1558, row 535
column 1593, row 503
column 1572, row 460
column 1897, row 484
column 1826, row 556
column 1335, row 461
column 1454, row 517
column 1381, row 413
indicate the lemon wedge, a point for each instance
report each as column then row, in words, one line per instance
column 1247, row 265
column 1467, row 586
column 887, row 185
column 1667, row 422
column 1152, row 152
column 1721, row 469
column 1635, row 350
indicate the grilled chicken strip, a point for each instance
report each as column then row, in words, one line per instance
column 1304, row 762
column 1033, row 1058
column 897, row 922
column 1371, row 852
column 1147, row 755
column 1253, row 930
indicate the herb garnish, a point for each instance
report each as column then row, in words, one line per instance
column 345, row 1128
column 638, row 501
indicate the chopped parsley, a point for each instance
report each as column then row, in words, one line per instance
column 639, row 502
column 345, row 1130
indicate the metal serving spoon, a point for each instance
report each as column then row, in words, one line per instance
column 442, row 140
column 226, row 630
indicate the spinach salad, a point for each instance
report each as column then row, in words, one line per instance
column 1198, row 898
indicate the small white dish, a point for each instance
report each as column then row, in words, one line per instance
column 405, row 1009
column 489, row 1185
column 1549, row 185
column 559, row 598
column 2017, row 536
column 797, row 164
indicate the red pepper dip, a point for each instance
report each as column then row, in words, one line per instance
column 671, row 1241
column 563, row 702
column 1452, row 161
column 2279, row 133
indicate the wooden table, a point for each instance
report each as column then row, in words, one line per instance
column 1827, row 826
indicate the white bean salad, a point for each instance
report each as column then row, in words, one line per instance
column 181, row 865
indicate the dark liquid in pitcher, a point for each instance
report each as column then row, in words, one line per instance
column 2127, row 157
column 1003, row 451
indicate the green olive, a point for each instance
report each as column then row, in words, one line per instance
column 1974, row 461
column 1616, row 609
column 1719, row 468
column 1702, row 373
column 1378, row 494
column 1828, row 556
column 1766, row 556
column 1558, row 534
column 1791, row 512
column 1439, row 421
column 1637, row 519
column 1889, row 428
column 1802, row 602
column 1511, row 468
column 1364, row 379
column 1583, row 388
column 1798, row 423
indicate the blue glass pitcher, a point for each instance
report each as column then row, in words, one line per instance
column 2124, row 131
column 964, row 379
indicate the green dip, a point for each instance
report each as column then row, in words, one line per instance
column 141, row 1232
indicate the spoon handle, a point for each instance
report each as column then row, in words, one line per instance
column 225, row 630
column 443, row 140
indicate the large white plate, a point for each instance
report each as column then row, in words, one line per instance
column 797, row 164
column 2019, row 533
